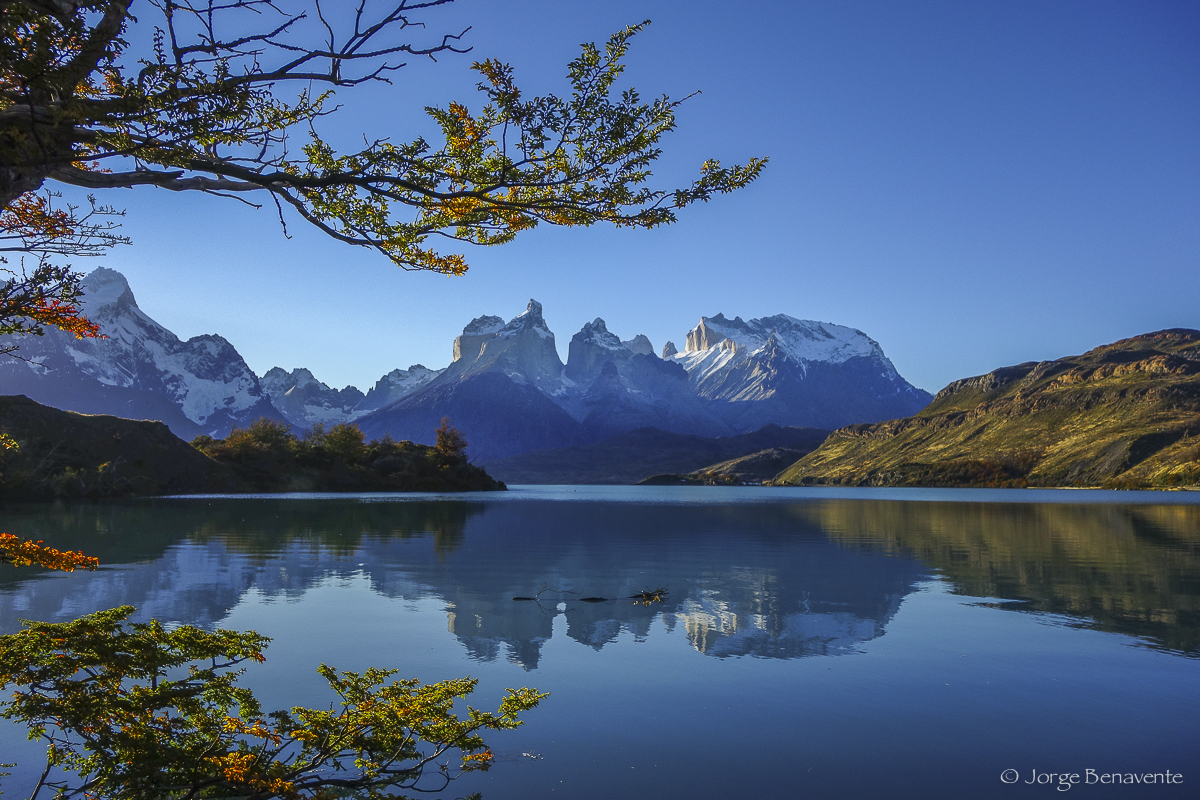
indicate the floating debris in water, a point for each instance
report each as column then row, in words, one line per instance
column 645, row 598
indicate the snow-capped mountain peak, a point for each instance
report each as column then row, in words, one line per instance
column 105, row 287
column 595, row 344
column 596, row 332
column 802, row 340
column 139, row 369
column 482, row 326
column 522, row 349
column 784, row 361
column 305, row 401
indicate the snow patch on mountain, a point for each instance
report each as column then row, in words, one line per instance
column 803, row 340
column 397, row 384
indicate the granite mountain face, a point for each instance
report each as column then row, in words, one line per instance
column 506, row 388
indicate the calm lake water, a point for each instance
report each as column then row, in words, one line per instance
column 814, row 643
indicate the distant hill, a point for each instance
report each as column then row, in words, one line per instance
column 629, row 457
column 1125, row 415
column 748, row 469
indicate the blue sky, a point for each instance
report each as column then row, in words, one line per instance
column 971, row 184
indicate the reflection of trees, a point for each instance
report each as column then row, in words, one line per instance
column 770, row 580
column 121, row 533
column 335, row 525
column 232, row 546
column 1129, row 569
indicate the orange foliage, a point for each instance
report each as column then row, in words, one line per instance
column 22, row 553
column 66, row 316
column 32, row 215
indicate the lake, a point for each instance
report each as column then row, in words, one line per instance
column 815, row 643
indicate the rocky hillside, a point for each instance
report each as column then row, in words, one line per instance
column 751, row 469
column 1125, row 415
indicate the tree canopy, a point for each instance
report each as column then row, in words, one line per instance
column 230, row 96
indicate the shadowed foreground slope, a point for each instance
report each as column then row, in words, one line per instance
column 62, row 454
column 1124, row 415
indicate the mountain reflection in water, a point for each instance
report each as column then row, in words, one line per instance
column 774, row 580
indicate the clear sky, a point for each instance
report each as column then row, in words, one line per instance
column 971, row 184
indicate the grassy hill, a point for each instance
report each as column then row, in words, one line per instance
column 1125, row 415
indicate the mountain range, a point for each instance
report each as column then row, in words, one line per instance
column 510, row 393
column 506, row 388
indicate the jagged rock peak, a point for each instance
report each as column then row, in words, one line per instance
column 669, row 349
column 597, row 325
column 640, row 345
column 277, row 380
column 596, row 332
column 481, row 326
column 400, row 374
column 529, row 319
column 407, row 380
